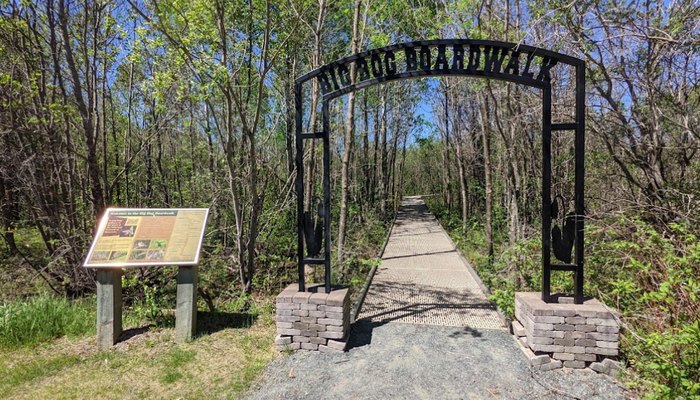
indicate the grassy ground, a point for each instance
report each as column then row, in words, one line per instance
column 230, row 353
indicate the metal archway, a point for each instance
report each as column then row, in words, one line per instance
column 521, row 64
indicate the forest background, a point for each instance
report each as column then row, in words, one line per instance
column 168, row 103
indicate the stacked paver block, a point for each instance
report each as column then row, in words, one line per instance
column 312, row 320
column 566, row 334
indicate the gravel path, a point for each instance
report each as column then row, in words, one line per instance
column 404, row 361
column 426, row 331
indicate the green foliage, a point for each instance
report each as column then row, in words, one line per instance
column 358, row 270
column 42, row 318
column 366, row 235
column 504, row 299
column 650, row 275
column 152, row 305
column 240, row 303
column 148, row 298
column 172, row 364
column 275, row 259
column 26, row 372
column 667, row 362
column 15, row 281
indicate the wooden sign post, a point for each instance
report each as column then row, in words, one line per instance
column 142, row 238
column 109, row 306
column 186, row 310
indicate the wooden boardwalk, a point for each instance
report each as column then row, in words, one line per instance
column 423, row 279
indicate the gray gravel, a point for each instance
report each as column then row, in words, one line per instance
column 402, row 361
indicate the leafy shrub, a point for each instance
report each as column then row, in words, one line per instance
column 650, row 274
column 151, row 307
column 42, row 318
column 504, row 299
column 147, row 298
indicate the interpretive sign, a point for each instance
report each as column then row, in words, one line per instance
column 138, row 237
column 148, row 236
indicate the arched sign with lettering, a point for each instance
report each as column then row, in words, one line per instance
column 527, row 65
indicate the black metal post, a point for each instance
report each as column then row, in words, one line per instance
column 327, row 195
column 546, row 190
column 299, row 163
column 580, row 147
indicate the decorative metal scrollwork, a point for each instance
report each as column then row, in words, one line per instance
column 562, row 238
column 313, row 230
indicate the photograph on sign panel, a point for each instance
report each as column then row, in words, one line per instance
column 141, row 244
column 159, row 244
column 155, row 255
column 118, row 256
column 127, row 231
column 137, row 255
column 100, row 255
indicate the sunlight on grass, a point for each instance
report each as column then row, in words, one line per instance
column 256, row 360
column 41, row 318
column 172, row 363
column 25, row 372
column 222, row 363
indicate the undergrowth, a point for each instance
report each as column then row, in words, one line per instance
column 651, row 276
column 42, row 318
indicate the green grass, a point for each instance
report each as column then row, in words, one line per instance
column 174, row 360
column 223, row 360
column 25, row 372
column 255, row 361
column 42, row 318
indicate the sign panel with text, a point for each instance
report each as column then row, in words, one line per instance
column 136, row 237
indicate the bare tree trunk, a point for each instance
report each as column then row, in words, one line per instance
column 366, row 171
column 86, row 114
column 382, row 163
column 512, row 181
column 459, row 155
column 402, row 163
column 10, row 214
column 290, row 63
column 392, row 165
column 127, row 147
column 486, row 144
column 348, row 141
column 446, row 195
column 375, row 159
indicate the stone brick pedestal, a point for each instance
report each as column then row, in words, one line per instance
column 566, row 334
column 312, row 320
